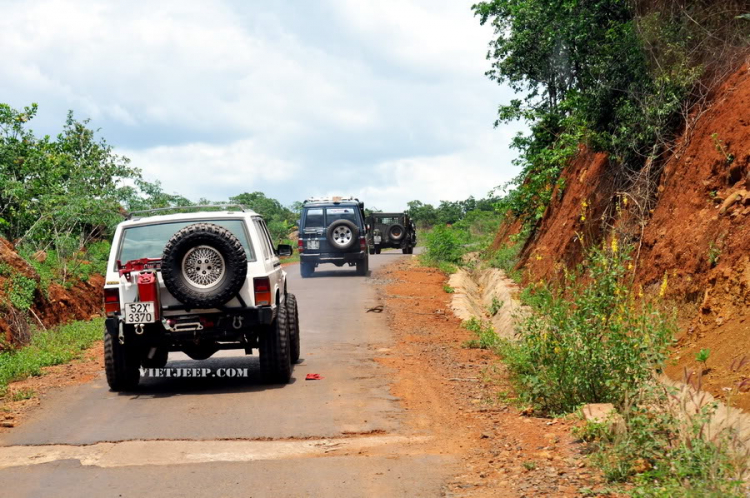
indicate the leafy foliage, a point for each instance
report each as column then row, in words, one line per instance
column 280, row 219
column 591, row 340
column 616, row 75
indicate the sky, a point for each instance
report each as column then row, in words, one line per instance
column 386, row 100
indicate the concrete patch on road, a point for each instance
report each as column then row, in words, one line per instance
column 134, row 453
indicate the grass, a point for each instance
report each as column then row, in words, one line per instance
column 486, row 338
column 22, row 394
column 294, row 258
column 448, row 289
column 51, row 347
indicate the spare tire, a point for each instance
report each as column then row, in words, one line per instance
column 204, row 265
column 396, row 232
column 342, row 235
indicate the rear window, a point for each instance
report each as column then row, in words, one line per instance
column 341, row 213
column 314, row 218
column 148, row 241
column 387, row 221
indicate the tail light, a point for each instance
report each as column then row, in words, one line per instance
column 262, row 286
column 111, row 301
column 301, row 245
column 362, row 244
column 148, row 291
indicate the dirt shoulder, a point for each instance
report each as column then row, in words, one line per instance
column 460, row 396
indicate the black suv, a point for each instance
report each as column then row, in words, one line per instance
column 332, row 230
column 395, row 230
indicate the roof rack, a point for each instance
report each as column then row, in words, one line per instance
column 335, row 198
column 138, row 214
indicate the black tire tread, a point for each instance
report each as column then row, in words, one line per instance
column 121, row 364
column 275, row 354
column 293, row 317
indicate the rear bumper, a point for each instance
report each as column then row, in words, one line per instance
column 332, row 257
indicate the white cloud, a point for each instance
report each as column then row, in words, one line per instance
column 232, row 168
column 286, row 97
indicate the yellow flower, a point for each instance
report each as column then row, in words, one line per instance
column 664, row 285
column 583, row 217
column 557, row 350
column 614, row 245
column 630, row 266
column 585, row 204
column 625, row 201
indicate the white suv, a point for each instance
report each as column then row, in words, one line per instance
column 196, row 282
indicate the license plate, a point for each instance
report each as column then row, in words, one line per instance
column 313, row 244
column 139, row 312
column 377, row 239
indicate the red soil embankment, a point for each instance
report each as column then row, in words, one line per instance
column 55, row 306
column 698, row 235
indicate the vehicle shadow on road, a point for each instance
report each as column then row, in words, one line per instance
column 336, row 273
column 164, row 387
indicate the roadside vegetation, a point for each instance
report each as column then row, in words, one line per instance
column 623, row 78
column 46, row 348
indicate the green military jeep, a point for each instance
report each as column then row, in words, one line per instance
column 391, row 230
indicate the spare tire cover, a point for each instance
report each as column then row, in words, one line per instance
column 342, row 235
column 396, row 232
column 204, row 265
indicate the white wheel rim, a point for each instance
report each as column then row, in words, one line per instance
column 342, row 235
column 203, row 267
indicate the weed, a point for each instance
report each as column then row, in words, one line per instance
column 588, row 340
column 21, row 291
column 495, row 306
column 719, row 146
column 702, row 357
column 529, row 465
column 448, row 289
column 21, row 394
column 486, row 336
column 664, row 449
column 714, row 253
column 49, row 347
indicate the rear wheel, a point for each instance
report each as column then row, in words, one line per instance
column 363, row 266
column 306, row 269
column 275, row 351
column 121, row 363
column 293, row 317
column 155, row 357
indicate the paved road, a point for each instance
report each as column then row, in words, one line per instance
column 344, row 435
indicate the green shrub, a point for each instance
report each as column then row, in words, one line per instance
column 486, row 336
column 445, row 244
column 448, row 289
column 21, row 291
column 506, row 259
column 589, row 340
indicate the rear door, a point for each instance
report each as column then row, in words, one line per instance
column 272, row 262
column 313, row 234
column 335, row 213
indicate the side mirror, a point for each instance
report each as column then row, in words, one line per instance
column 284, row 250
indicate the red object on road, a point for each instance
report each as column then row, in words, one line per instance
column 313, row 377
